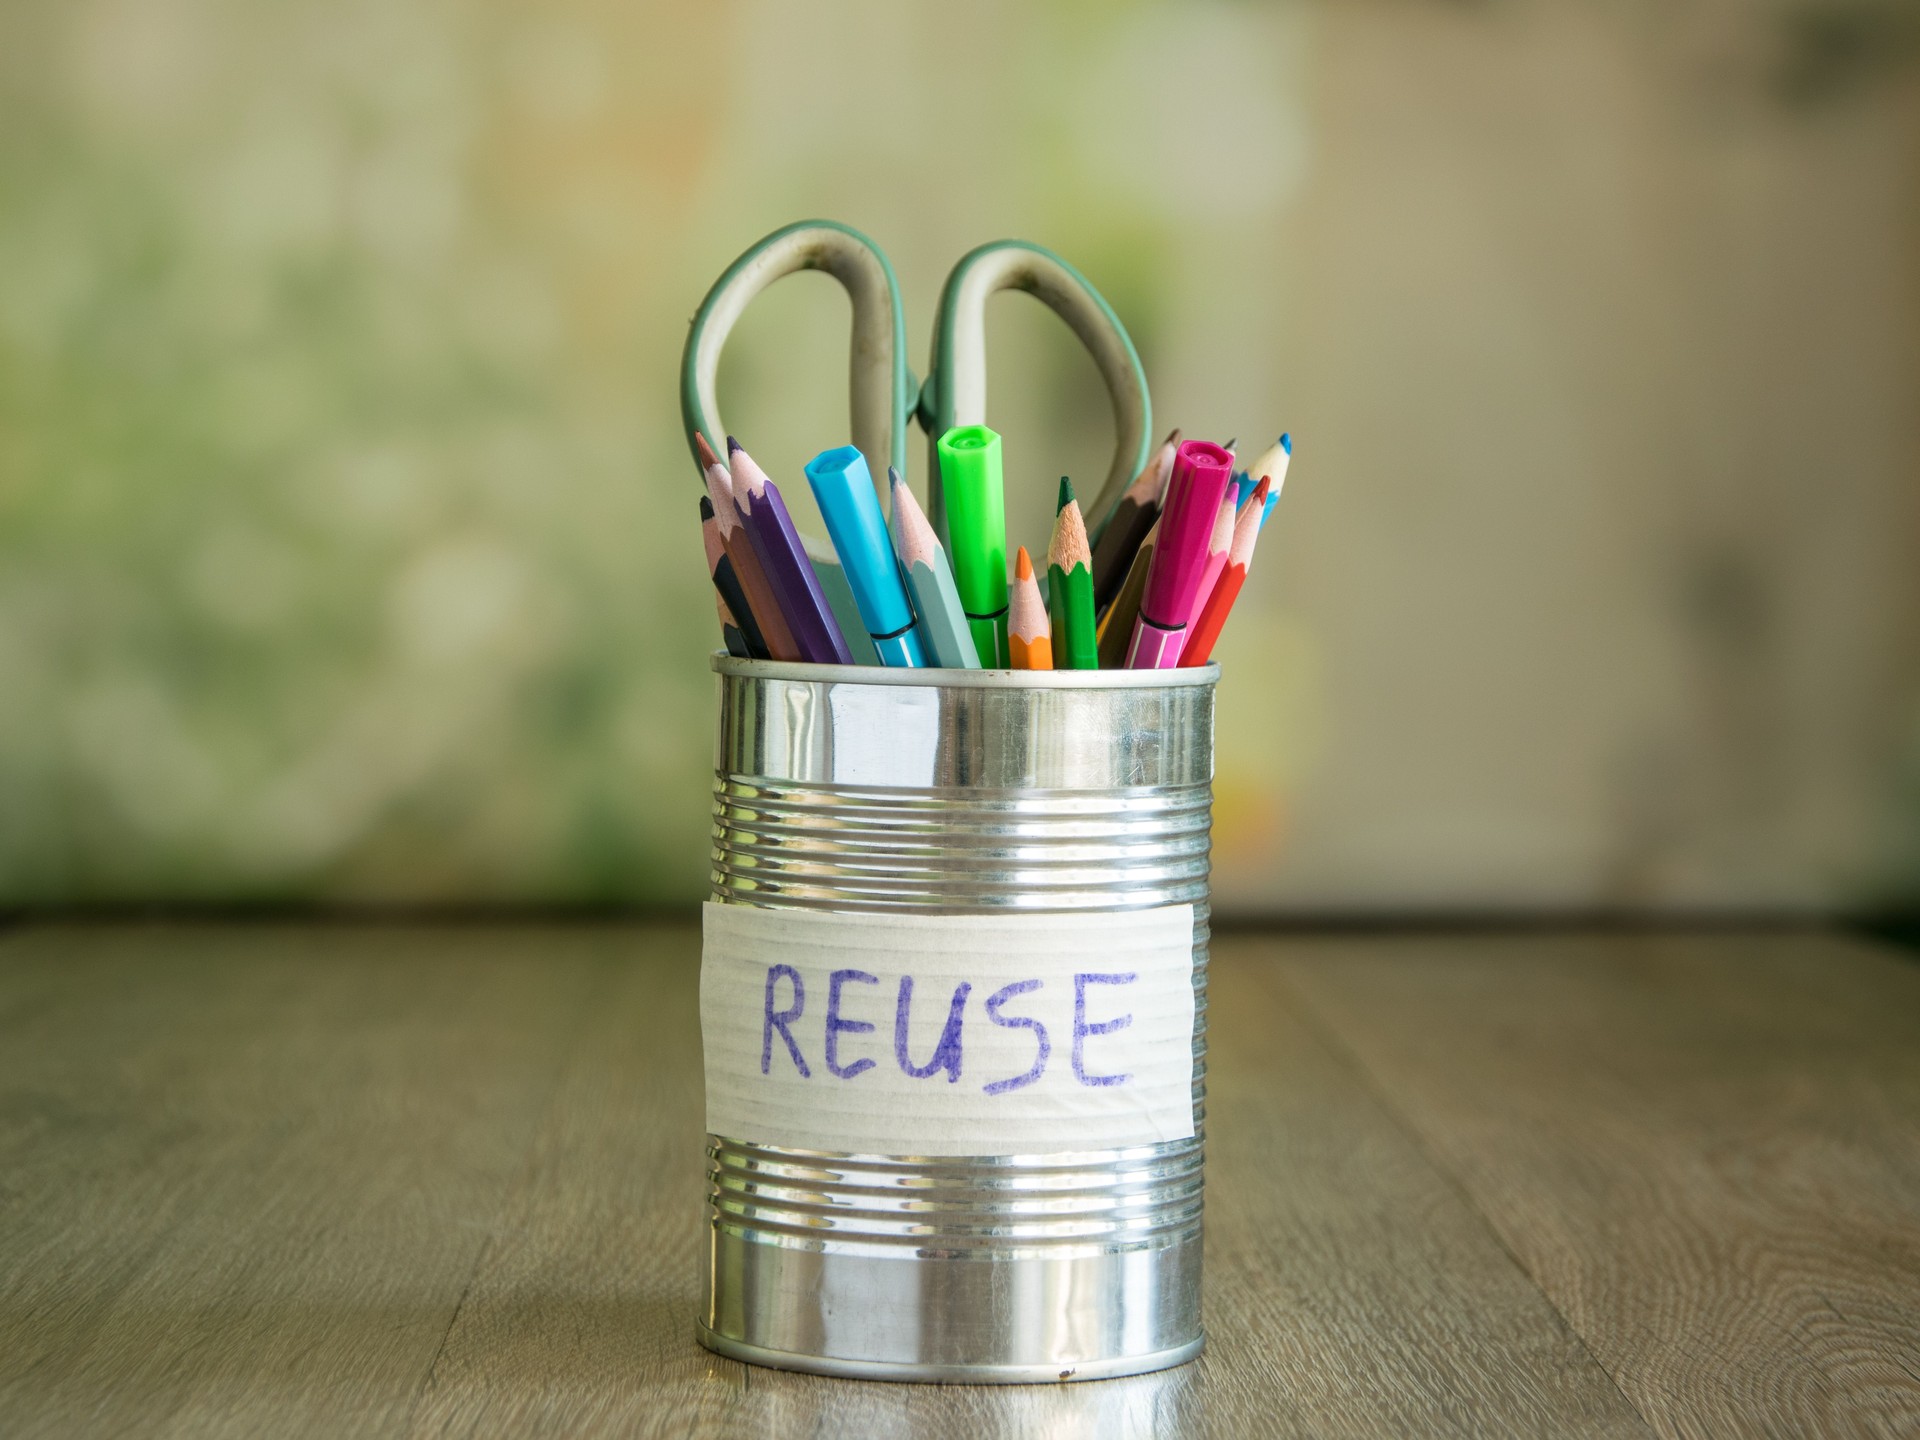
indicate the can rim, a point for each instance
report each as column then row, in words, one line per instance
column 931, row 678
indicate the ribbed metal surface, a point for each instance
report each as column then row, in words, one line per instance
column 846, row 848
column 1059, row 1204
column 849, row 790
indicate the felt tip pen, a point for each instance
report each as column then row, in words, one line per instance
column 1201, row 474
column 971, row 484
column 844, row 487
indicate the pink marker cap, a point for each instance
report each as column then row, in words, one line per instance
column 1201, row 473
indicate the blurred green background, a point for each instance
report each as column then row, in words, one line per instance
column 347, row 537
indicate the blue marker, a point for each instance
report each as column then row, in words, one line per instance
column 844, row 488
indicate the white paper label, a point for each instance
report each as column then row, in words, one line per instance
column 948, row 1034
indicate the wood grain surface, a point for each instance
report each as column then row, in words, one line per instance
column 447, row 1181
column 1706, row 1153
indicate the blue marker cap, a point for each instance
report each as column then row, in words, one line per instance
column 844, row 487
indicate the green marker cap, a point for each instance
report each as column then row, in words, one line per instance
column 972, row 484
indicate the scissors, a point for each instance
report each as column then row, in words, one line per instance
column 885, row 394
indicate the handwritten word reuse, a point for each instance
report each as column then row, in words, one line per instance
column 948, row 1056
column 948, row 1034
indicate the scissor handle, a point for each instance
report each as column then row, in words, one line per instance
column 956, row 390
column 878, row 379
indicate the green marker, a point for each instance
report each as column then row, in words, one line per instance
column 970, row 482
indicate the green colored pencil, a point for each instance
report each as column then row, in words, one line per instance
column 1070, row 587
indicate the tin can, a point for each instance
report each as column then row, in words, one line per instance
column 856, row 789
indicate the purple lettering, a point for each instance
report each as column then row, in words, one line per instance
column 780, row 1019
column 1081, row 1029
column 1042, row 1046
column 836, row 1027
column 946, row 1054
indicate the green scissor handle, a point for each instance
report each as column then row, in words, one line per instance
column 880, row 381
column 956, row 390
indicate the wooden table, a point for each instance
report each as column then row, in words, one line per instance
column 261, row 1180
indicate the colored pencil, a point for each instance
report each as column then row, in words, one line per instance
column 730, row 632
column 846, row 614
column 1116, row 626
column 727, row 584
column 1217, row 545
column 1139, row 507
column 975, row 495
column 844, row 487
column 784, row 559
column 1070, row 586
column 1213, row 615
column 1029, row 636
column 945, row 637
column 1201, row 471
column 1270, row 466
column 761, row 601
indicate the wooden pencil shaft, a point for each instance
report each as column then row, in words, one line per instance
column 1213, row 617
column 1076, row 646
column 944, row 632
column 789, row 571
column 1119, row 542
column 1034, row 654
column 795, row 587
column 727, row 582
column 746, row 567
column 1116, row 630
column 945, row 636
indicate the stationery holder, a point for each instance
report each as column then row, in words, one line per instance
column 1047, row 834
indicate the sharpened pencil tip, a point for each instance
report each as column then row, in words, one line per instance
column 1173, row 436
column 733, row 445
column 893, row 477
column 1023, row 565
column 1066, row 495
column 1231, row 443
column 706, row 508
column 1286, row 443
column 707, row 458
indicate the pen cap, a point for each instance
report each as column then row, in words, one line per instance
column 971, row 480
column 843, row 486
column 1201, row 473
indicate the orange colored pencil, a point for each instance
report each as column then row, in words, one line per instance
column 1029, row 636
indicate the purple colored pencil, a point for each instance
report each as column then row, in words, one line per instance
column 1201, row 473
column 783, row 556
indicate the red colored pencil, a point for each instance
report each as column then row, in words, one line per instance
column 1213, row 615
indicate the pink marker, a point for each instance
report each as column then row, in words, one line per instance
column 1202, row 472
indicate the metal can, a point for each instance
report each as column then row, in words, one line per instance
column 961, row 791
